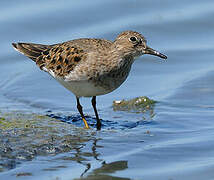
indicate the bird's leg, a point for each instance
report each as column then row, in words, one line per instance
column 79, row 107
column 93, row 101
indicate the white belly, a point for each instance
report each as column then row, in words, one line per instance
column 83, row 88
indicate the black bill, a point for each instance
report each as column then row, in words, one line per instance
column 154, row 52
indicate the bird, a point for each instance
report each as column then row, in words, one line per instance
column 89, row 67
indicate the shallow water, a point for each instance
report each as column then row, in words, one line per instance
column 174, row 141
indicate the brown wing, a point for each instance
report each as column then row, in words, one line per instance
column 60, row 58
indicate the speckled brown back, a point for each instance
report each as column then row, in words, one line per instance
column 63, row 57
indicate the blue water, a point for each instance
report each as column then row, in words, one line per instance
column 177, row 143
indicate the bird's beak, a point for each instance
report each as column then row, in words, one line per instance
column 151, row 51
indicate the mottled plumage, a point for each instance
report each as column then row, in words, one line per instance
column 89, row 67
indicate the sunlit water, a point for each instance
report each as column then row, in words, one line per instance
column 174, row 142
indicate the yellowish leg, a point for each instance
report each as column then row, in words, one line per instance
column 86, row 124
column 79, row 107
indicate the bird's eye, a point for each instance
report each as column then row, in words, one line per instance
column 133, row 39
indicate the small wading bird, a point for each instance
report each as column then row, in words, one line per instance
column 89, row 67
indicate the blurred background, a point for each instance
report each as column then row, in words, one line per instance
column 173, row 141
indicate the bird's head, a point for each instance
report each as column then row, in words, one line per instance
column 134, row 44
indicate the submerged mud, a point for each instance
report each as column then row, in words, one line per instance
column 25, row 136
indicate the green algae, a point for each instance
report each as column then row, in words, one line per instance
column 24, row 136
column 9, row 121
column 138, row 104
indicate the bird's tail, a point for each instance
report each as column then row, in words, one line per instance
column 31, row 50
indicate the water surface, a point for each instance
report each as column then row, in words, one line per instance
column 175, row 141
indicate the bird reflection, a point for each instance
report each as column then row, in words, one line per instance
column 84, row 149
column 106, row 168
